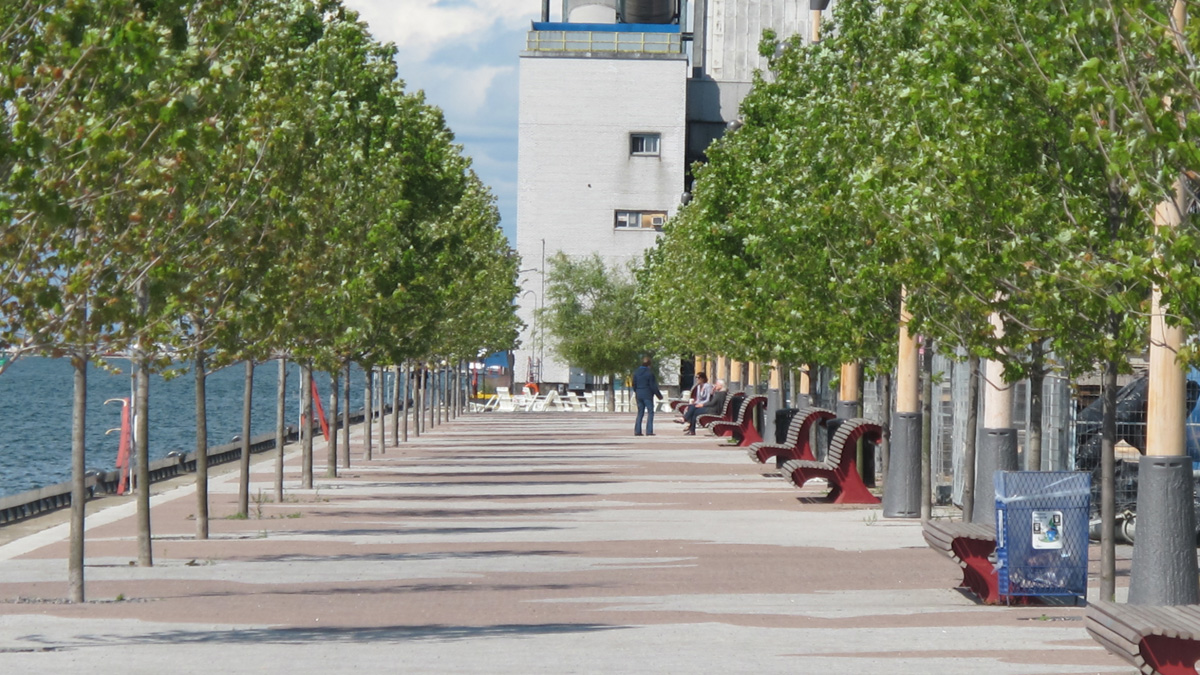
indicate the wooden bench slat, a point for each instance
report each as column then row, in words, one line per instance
column 1119, row 625
column 1147, row 621
column 741, row 427
column 1189, row 621
column 1167, row 634
column 968, row 545
column 839, row 468
column 1112, row 641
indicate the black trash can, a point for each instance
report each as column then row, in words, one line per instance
column 783, row 418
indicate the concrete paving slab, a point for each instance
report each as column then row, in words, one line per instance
column 513, row 543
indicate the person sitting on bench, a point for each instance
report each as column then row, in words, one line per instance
column 713, row 405
column 693, row 396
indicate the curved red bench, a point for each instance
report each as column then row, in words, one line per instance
column 840, row 467
column 727, row 410
column 971, row 545
column 1154, row 639
column 798, row 443
column 742, row 427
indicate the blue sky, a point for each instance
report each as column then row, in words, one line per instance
column 464, row 54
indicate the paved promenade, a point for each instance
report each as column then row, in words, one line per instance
column 522, row 543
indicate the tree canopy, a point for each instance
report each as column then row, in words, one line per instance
column 592, row 313
column 990, row 158
column 246, row 179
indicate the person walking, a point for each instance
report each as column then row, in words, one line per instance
column 645, row 389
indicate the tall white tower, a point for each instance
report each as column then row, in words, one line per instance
column 610, row 116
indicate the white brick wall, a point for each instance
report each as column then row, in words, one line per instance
column 574, row 169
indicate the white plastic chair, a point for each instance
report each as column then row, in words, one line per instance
column 506, row 402
column 542, row 402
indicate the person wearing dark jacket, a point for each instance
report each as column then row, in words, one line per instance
column 645, row 389
column 714, row 406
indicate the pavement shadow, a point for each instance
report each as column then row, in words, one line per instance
column 503, row 457
column 469, row 497
column 399, row 557
column 391, row 532
column 442, row 513
column 405, row 589
column 503, row 474
column 327, row 634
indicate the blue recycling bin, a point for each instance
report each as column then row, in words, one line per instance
column 1042, row 532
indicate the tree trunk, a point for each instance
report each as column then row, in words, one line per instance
column 443, row 395
column 440, row 408
column 396, row 406
column 346, row 419
column 244, row 467
column 927, row 432
column 382, row 411
column 332, row 458
column 1033, row 433
column 368, row 435
column 405, row 394
column 432, row 386
column 418, row 401
column 75, row 584
column 306, row 435
column 453, row 412
column 431, row 390
column 1108, row 504
column 201, row 447
column 972, row 433
column 142, row 443
column 280, row 427
column 885, row 448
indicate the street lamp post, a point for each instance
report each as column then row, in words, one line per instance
column 533, row 335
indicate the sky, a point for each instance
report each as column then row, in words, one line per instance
column 464, row 54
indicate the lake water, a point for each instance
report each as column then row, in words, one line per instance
column 35, row 414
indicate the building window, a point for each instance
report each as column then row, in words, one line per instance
column 640, row 220
column 643, row 144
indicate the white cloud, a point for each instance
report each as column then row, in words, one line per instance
column 420, row 27
column 469, row 90
column 464, row 55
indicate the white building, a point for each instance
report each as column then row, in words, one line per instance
column 611, row 114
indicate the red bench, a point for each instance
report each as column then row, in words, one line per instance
column 1154, row 639
column 742, row 427
column 971, row 545
column 728, row 410
column 798, row 443
column 678, row 404
column 840, row 467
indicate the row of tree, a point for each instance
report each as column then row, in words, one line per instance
column 218, row 182
column 1007, row 170
column 989, row 158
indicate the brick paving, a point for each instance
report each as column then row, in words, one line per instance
column 522, row 543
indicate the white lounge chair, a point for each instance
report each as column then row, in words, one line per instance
column 505, row 401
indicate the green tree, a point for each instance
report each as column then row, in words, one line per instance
column 592, row 314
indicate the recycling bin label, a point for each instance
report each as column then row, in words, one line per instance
column 1047, row 529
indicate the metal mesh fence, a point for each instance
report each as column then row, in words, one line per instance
column 951, row 379
column 1071, row 425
